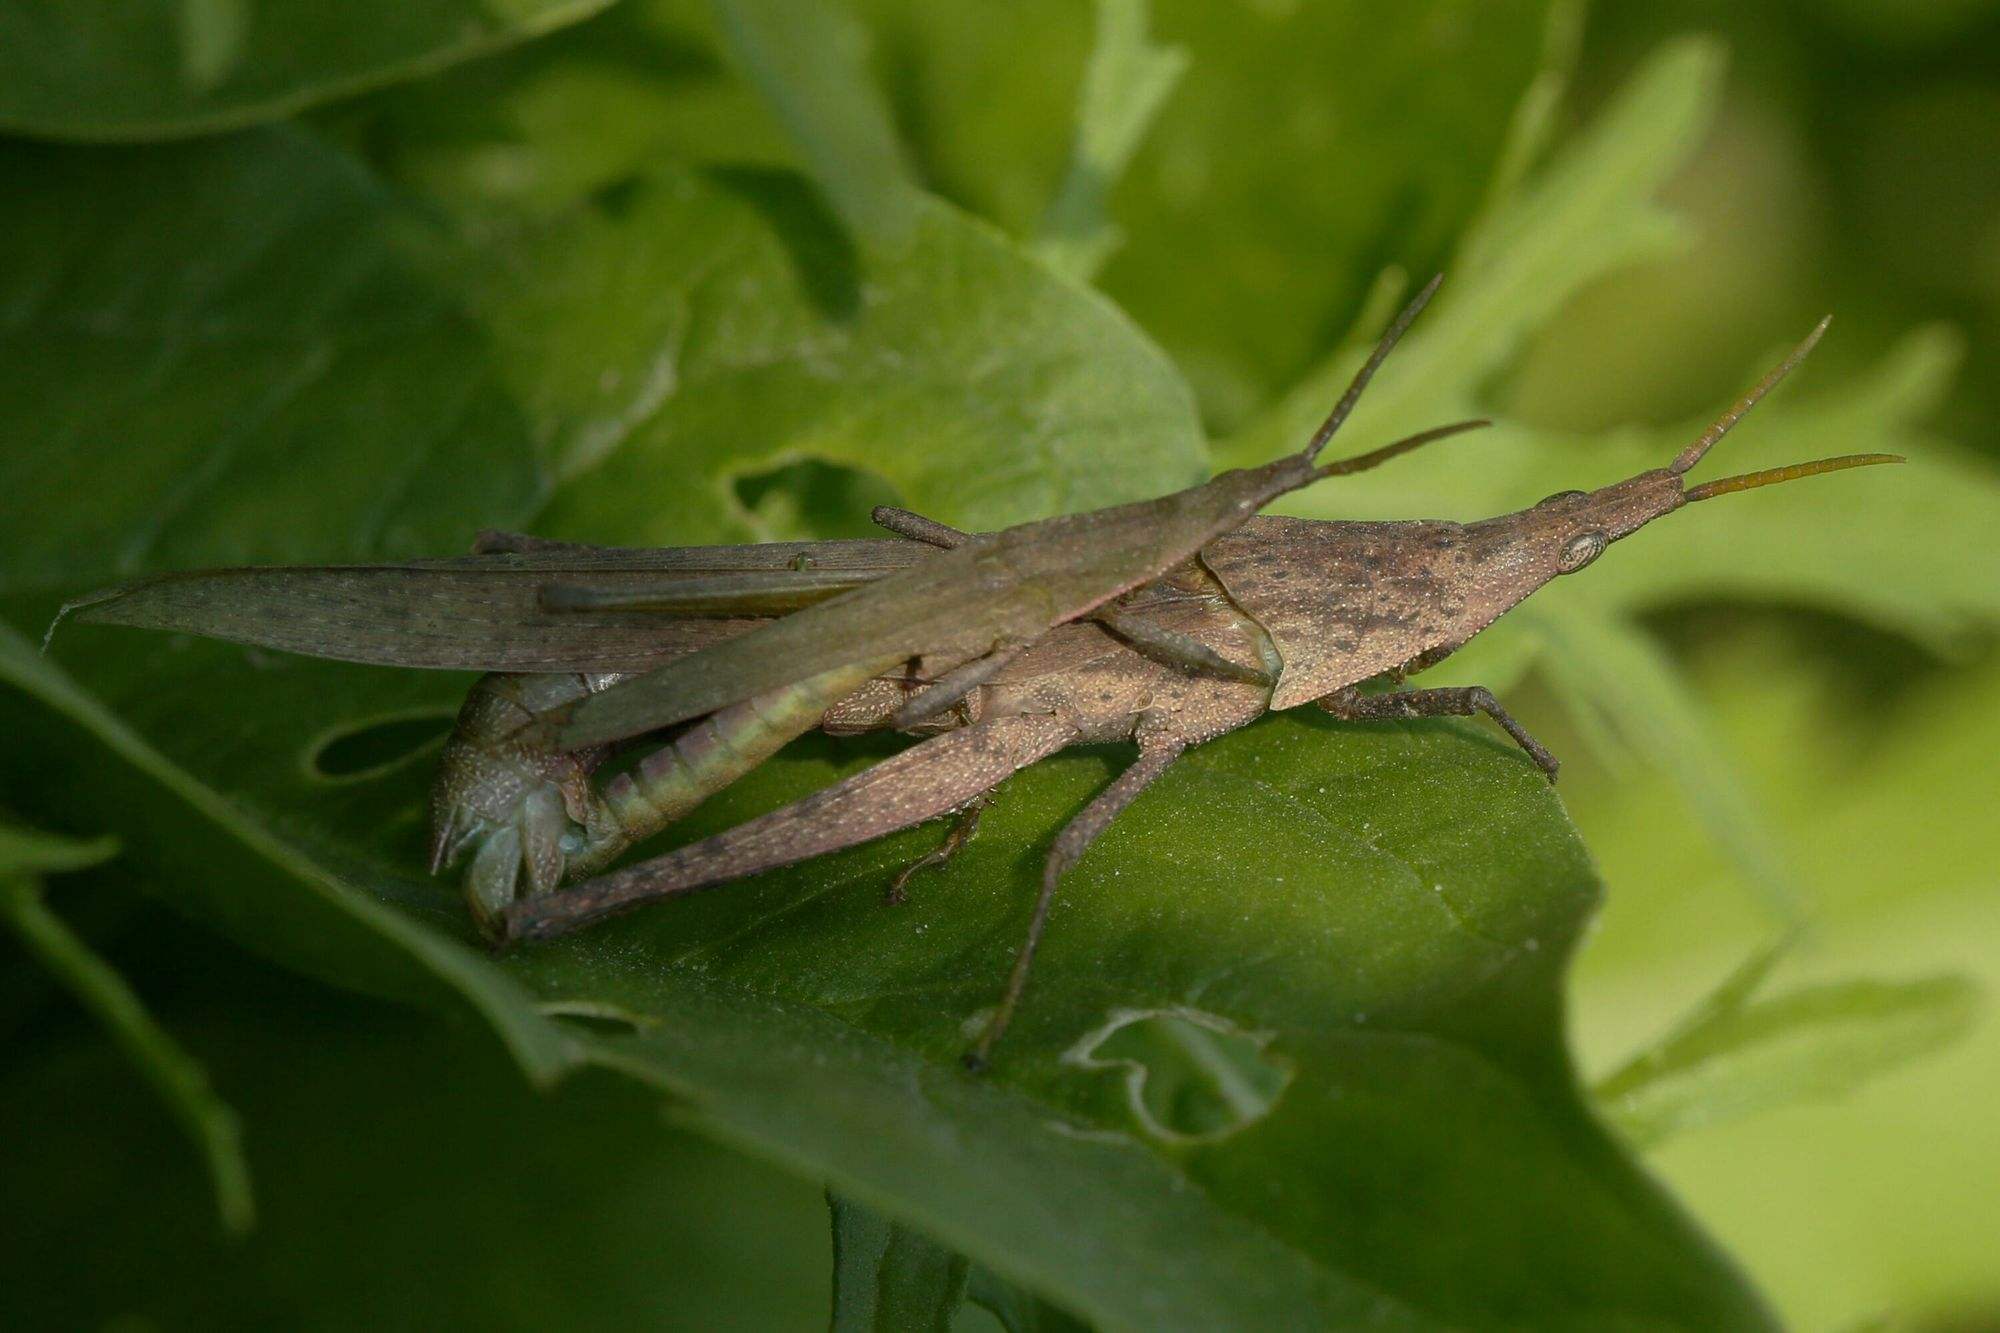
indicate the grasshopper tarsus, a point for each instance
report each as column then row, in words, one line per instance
column 1350, row 705
column 963, row 826
column 1159, row 746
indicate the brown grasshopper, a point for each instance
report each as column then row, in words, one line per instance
column 1166, row 622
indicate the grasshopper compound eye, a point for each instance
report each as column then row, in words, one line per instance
column 1580, row 550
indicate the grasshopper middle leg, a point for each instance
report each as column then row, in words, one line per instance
column 963, row 826
column 1157, row 750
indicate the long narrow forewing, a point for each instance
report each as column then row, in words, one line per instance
column 495, row 612
column 998, row 588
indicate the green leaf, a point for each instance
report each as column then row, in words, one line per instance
column 1306, row 146
column 155, row 69
column 1018, row 1311
column 715, row 327
column 1871, row 761
column 888, row 1277
column 407, row 1179
column 808, row 59
column 178, row 1079
column 211, row 321
column 1588, row 211
column 1382, row 913
column 1854, row 546
column 26, row 852
column 1736, row 1057
column 1123, row 88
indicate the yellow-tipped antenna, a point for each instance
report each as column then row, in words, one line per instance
column 1368, row 369
column 1751, row 480
column 1691, row 455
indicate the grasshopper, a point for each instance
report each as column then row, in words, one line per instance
column 1165, row 623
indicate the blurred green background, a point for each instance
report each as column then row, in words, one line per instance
column 1852, row 165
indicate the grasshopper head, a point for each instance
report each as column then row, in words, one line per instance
column 1567, row 531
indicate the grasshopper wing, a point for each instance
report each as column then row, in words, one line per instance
column 992, row 594
column 997, row 589
column 548, row 607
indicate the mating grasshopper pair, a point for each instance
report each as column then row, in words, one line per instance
column 1166, row 622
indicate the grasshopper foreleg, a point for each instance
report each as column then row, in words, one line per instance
column 1158, row 748
column 1351, row 705
column 953, row 685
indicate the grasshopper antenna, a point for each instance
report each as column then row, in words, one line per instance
column 1374, row 457
column 1374, row 362
column 1691, row 455
column 1747, row 481
column 1750, row 481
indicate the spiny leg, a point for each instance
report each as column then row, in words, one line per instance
column 929, row 779
column 1158, row 748
column 1351, row 705
column 963, row 826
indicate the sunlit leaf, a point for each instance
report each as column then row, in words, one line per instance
column 1737, row 1055
column 154, row 69
column 808, row 59
column 1127, row 80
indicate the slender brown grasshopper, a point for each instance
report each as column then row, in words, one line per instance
column 1166, row 622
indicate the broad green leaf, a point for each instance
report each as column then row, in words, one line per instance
column 1432, row 1038
column 1438, row 943
column 713, row 327
column 1385, row 909
column 211, row 324
column 408, row 1180
column 155, row 69
column 177, row 1078
column 888, row 1278
column 1123, row 88
column 1740, row 1056
column 1306, row 146
column 809, row 60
